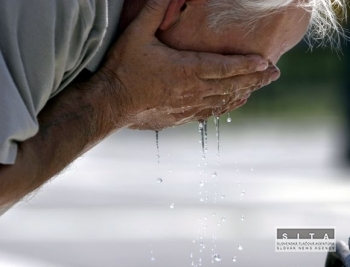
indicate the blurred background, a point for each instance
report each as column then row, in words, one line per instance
column 284, row 161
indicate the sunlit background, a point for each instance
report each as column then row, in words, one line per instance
column 284, row 161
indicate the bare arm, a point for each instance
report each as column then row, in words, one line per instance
column 143, row 85
column 70, row 124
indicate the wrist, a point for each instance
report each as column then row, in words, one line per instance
column 111, row 102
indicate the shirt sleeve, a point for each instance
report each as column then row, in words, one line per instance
column 44, row 44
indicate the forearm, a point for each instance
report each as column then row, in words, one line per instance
column 69, row 125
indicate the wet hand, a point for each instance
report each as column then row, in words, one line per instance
column 155, row 86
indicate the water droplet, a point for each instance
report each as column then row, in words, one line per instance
column 234, row 259
column 223, row 196
column 202, row 183
column 157, row 145
column 217, row 133
column 223, row 219
column 217, row 257
column 228, row 117
column 219, row 224
column 240, row 247
column 191, row 255
column 201, row 199
column 153, row 259
column 252, row 169
column 242, row 218
column 194, row 241
column 214, row 214
column 242, row 193
column 172, row 206
column 159, row 180
column 170, row 171
column 200, row 126
column 214, row 174
column 205, row 218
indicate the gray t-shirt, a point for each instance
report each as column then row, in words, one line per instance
column 44, row 44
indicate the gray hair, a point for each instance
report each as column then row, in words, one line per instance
column 324, row 26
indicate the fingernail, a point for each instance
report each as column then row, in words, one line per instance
column 275, row 75
column 263, row 66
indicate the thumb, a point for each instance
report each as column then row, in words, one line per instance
column 151, row 16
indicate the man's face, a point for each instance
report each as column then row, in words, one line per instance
column 270, row 37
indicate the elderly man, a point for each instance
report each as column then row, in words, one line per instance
column 48, row 119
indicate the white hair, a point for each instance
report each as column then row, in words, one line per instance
column 324, row 25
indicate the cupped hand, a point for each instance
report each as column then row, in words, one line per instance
column 155, row 86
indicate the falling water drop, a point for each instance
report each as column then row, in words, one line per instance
column 228, row 117
column 214, row 174
column 159, row 180
column 223, row 219
column 223, row 196
column 157, row 144
column 205, row 125
column 201, row 130
column 217, row 257
column 240, row 247
column 242, row 193
column 217, row 130
column 242, row 218
column 200, row 126
column 172, row 206
column 234, row 259
column 202, row 183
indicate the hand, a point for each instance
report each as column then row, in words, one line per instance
column 160, row 87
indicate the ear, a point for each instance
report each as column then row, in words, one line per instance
column 171, row 16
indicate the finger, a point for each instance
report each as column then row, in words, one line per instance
column 151, row 16
column 232, row 85
column 213, row 66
